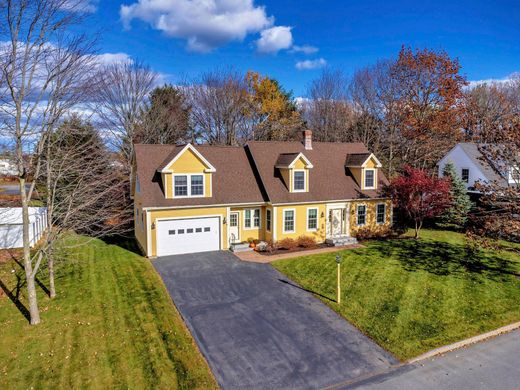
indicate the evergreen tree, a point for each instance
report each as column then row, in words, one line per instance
column 457, row 213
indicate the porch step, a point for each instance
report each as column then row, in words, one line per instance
column 240, row 247
column 341, row 241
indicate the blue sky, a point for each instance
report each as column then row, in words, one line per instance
column 181, row 39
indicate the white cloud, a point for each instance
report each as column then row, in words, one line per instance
column 80, row 6
column 504, row 80
column 204, row 24
column 274, row 39
column 112, row 58
column 311, row 64
column 305, row 49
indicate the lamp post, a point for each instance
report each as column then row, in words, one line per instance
column 338, row 289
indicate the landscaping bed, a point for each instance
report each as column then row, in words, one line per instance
column 411, row 296
column 113, row 325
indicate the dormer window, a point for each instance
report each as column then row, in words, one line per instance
column 370, row 180
column 299, row 180
column 188, row 186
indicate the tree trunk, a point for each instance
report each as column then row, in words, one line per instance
column 418, row 225
column 34, row 312
column 50, row 209
column 50, row 264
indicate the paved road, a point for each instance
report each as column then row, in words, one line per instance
column 493, row 364
column 259, row 331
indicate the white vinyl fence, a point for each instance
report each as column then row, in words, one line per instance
column 11, row 232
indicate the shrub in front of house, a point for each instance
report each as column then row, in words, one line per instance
column 368, row 233
column 287, row 243
column 306, row 241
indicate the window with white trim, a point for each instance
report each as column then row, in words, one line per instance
column 299, row 180
column 361, row 214
column 180, row 185
column 464, row 175
column 268, row 219
column 312, row 219
column 251, row 218
column 370, row 178
column 288, row 221
column 189, row 185
column 197, row 185
column 381, row 213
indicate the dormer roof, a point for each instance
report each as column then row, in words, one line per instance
column 287, row 160
column 179, row 151
column 360, row 160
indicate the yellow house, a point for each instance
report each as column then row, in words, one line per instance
column 195, row 198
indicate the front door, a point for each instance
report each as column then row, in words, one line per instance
column 234, row 233
column 336, row 222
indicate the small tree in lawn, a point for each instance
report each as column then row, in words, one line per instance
column 457, row 213
column 419, row 195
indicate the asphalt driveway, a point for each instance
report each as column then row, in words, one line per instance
column 258, row 330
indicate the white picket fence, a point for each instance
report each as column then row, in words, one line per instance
column 11, row 227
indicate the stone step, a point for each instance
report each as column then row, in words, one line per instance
column 240, row 247
column 341, row 241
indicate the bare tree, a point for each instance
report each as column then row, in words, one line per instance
column 122, row 92
column 327, row 110
column 43, row 70
column 85, row 188
column 220, row 102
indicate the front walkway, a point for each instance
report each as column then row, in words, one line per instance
column 256, row 257
column 258, row 330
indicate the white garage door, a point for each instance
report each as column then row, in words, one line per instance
column 177, row 236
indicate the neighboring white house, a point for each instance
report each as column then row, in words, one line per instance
column 471, row 166
column 11, row 226
column 7, row 167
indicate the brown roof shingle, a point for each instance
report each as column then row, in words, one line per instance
column 328, row 180
column 356, row 159
column 233, row 182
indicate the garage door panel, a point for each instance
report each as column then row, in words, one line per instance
column 188, row 235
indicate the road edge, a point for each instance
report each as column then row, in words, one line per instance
column 464, row 343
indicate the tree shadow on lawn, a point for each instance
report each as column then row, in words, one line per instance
column 128, row 243
column 442, row 259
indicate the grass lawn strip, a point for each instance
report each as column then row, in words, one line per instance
column 412, row 296
column 113, row 325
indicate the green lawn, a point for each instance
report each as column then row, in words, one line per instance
column 112, row 325
column 411, row 296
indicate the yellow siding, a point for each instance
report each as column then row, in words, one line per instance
column 370, row 216
column 179, row 213
column 286, row 176
column 251, row 233
column 139, row 222
column 301, row 222
column 187, row 163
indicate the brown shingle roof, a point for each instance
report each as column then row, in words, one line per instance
column 328, row 180
column 356, row 159
column 233, row 182
column 285, row 159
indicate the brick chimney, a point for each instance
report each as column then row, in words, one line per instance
column 307, row 139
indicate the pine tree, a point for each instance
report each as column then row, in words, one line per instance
column 457, row 213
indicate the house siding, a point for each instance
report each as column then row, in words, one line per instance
column 371, row 213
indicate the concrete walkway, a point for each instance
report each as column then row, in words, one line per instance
column 258, row 330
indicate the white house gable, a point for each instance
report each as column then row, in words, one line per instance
column 462, row 161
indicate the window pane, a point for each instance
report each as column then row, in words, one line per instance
column 361, row 214
column 289, row 220
column 381, row 208
column 256, row 218
column 181, row 185
column 198, row 230
column 465, row 175
column 197, row 185
column 299, row 180
column 247, row 221
column 207, row 229
column 312, row 222
column 369, row 178
column 268, row 219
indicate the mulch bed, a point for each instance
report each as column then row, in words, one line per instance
column 297, row 249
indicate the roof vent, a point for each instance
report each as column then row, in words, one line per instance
column 307, row 139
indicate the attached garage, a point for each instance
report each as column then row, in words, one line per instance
column 188, row 235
